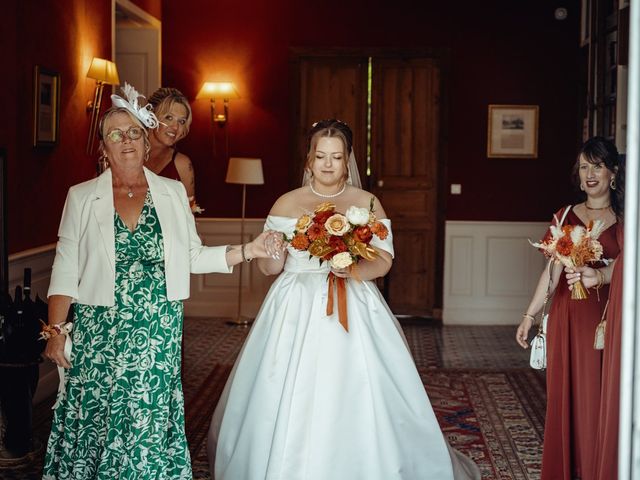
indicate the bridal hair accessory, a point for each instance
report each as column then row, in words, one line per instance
column 143, row 113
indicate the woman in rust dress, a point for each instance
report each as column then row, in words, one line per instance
column 573, row 366
column 606, row 445
column 174, row 116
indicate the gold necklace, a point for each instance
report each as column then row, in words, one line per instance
column 598, row 208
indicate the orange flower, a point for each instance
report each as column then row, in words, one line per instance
column 362, row 234
column 379, row 230
column 316, row 231
column 337, row 244
column 321, row 217
column 325, row 207
column 564, row 246
column 300, row 242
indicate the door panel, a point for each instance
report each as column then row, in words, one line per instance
column 138, row 58
column 405, row 150
column 405, row 133
column 331, row 87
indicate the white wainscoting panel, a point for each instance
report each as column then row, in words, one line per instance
column 490, row 271
column 216, row 294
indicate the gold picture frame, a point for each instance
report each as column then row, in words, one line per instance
column 46, row 100
column 513, row 131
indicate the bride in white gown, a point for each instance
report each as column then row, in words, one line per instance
column 307, row 400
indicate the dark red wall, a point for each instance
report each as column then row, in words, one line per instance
column 61, row 36
column 500, row 52
column 508, row 52
column 153, row 7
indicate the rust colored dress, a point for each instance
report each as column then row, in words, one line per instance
column 574, row 375
column 170, row 170
column 606, row 450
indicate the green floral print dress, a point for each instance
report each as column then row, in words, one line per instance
column 122, row 414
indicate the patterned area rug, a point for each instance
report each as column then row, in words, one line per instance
column 489, row 405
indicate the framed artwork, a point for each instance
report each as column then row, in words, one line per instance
column 512, row 131
column 46, row 99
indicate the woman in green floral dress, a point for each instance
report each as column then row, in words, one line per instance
column 127, row 244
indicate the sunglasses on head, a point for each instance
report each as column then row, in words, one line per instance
column 116, row 135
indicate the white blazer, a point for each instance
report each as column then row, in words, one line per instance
column 84, row 266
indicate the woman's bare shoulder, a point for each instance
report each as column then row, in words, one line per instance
column 288, row 205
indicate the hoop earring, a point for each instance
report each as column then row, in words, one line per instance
column 612, row 183
column 581, row 186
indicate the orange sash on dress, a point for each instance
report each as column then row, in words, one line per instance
column 342, row 300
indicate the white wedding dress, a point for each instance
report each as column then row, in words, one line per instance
column 307, row 400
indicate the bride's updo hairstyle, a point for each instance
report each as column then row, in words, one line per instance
column 331, row 128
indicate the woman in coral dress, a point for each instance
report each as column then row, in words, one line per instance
column 574, row 367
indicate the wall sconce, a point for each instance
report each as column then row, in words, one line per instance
column 104, row 72
column 224, row 90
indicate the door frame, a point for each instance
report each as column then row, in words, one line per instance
column 442, row 56
column 146, row 21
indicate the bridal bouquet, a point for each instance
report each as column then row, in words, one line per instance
column 574, row 246
column 342, row 240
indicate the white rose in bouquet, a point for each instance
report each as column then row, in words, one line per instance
column 357, row 215
column 341, row 260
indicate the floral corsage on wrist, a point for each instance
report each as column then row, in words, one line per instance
column 342, row 240
column 50, row 331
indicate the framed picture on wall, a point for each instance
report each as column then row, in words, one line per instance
column 46, row 99
column 512, row 131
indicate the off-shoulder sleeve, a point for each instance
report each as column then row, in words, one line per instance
column 387, row 243
column 280, row 224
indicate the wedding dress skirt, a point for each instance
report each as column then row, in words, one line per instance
column 307, row 400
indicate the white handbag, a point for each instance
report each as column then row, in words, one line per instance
column 538, row 358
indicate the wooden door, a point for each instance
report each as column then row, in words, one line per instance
column 330, row 87
column 405, row 155
column 405, row 161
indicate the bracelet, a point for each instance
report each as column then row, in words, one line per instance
column 600, row 276
column 50, row 331
column 529, row 316
column 244, row 257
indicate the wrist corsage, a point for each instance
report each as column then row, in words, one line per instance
column 50, row 331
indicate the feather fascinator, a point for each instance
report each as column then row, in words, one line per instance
column 142, row 113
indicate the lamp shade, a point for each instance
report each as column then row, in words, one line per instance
column 103, row 71
column 247, row 171
column 224, row 90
